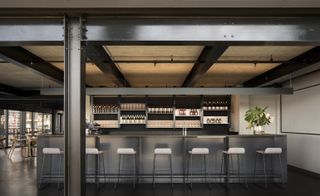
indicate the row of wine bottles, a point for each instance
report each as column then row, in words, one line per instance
column 105, row 108
column 214, row 120
column 133, row 106
column 190, row 112
column 133, row 119
column 215, row 105
column 160, row 110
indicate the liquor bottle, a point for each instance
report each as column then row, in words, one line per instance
column 205, row 106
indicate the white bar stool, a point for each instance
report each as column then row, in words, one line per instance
column 197, row 152
column 50, row 152
column 229, row 154
column 166, row 152
column 99, row 155
column 268, row 152
column 126, row 152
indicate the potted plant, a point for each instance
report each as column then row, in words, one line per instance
column 257, row 118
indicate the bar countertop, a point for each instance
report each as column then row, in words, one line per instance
column 174, row 135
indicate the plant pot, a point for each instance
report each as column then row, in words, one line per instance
column 257, row 130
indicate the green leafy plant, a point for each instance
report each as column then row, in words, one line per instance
column 257, row 117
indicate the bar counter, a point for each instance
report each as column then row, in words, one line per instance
column 180, row 145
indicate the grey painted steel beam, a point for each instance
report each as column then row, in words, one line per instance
column 174, row 91
column 25, row 59
column 209, row 56
column 302, row 61
column 10, row 90
column 74, row 107
column 40, row 31
column 204, row 31
column 103, row 61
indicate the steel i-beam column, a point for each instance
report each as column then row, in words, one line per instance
column 74, row 107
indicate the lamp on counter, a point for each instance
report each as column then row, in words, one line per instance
column 92, row 128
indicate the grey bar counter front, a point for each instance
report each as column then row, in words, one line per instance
column 180, row 145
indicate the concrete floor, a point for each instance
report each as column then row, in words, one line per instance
column 18, row 177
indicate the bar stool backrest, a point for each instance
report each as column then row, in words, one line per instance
column 273, row 150
column 51, row 151
column 236, row 151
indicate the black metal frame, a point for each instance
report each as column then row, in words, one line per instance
column 208, row 56
column 74, row 107
column 103, row 61
column 206, row 31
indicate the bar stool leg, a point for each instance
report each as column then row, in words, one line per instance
column 154, row 170
column 104, row 169
column 282, row 173
column 245, row 170
column 231, row 166
column 50, row 168
column 264, row 171
column 221, row 168
column 188, row 167
column 134, row 170
column 255, row 167
column 191, row 168
column 137, row 169
column 238, row 168
column 118, row 176
column 98, row 171
column 170, row 156
column 41, row 172
column 205, row 170
column 227, row 170
column 59, row 174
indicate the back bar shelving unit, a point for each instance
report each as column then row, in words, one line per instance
column 170, row 112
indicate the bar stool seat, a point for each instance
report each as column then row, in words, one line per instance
column 126, row 151
column 93, row 151
column 201, row 151
column 197, row 152
column 235, row 151
column 270, row 152
column 99, row 155
column 162, row 151
column 50, row 152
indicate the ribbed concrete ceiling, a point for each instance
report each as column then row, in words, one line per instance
column 55, row 55
column 16, row 76
column 220, row 75
column 159, row 74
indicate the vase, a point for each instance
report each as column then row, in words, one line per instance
column 257, row 130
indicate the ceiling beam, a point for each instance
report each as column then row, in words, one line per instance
column 10, row 90
column 208, row 56
column 304, row 60
column 25, row 59
column 173, row 91
column 103, row 61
